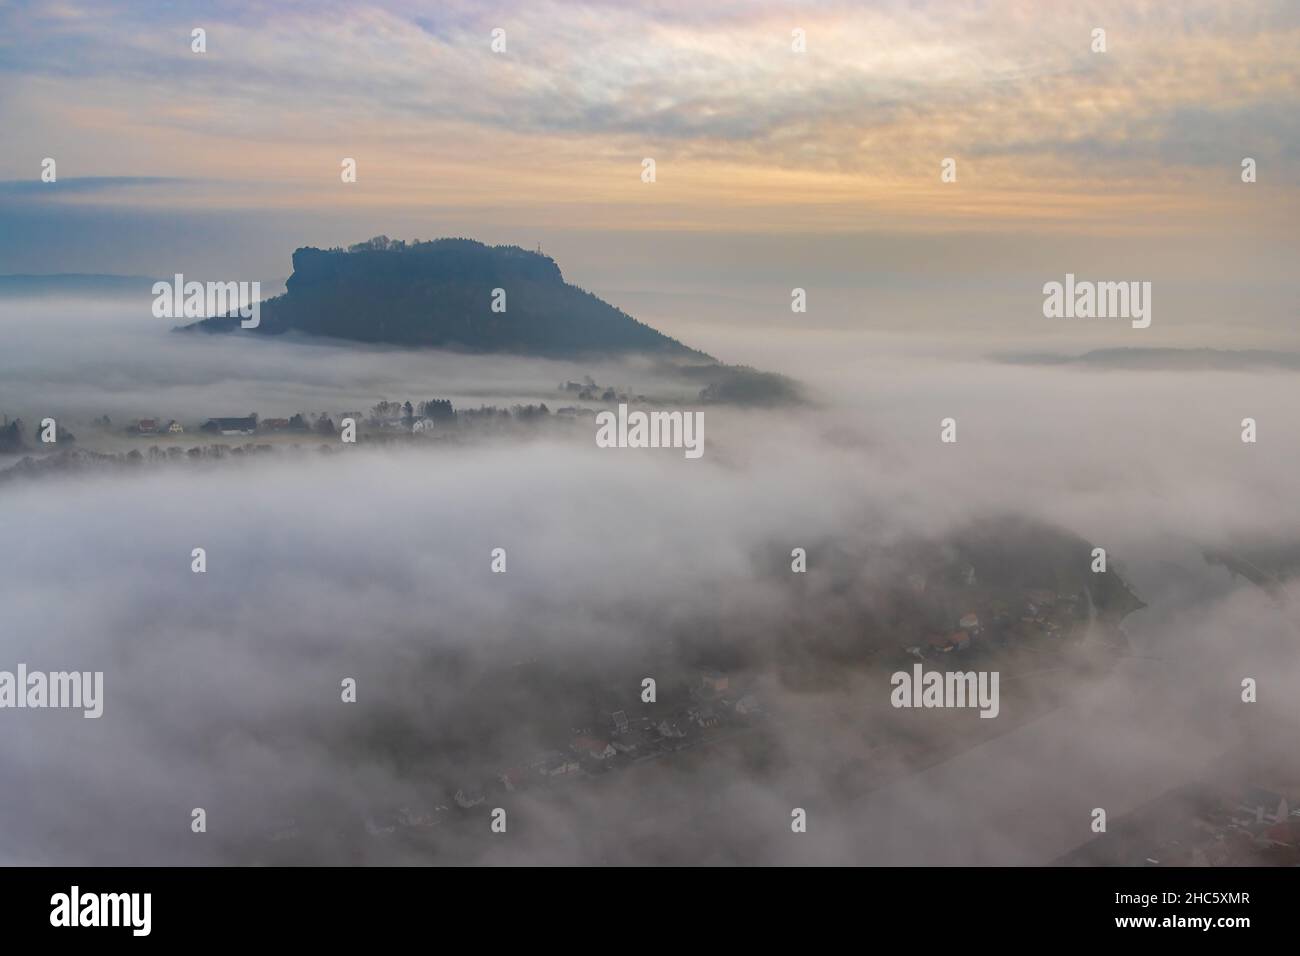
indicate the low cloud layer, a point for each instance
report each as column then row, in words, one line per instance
column 222, row 689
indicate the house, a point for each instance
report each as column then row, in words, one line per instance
column 620, row 721
column 1264, row 806
column 593, row 747
column 147, row 426
column 714, row 682
column 175, row 428
column 231, row 426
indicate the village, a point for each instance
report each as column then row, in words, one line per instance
column 1241, row 818
column 385, row 418
column 716, row 708
column 174, row 439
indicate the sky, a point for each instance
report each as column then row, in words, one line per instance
column 818, row 169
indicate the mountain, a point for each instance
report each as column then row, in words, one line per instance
column 1166, row 359
column 87, row 284
column 440, row 294
column 76, row 284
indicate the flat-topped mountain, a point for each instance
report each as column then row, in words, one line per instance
column 440, row 294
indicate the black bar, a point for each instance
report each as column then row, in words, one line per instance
column 326, row 906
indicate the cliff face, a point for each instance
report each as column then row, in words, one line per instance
column 440, row 294
column 442, row 260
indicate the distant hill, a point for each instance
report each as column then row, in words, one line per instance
column 85, row 284
column 76, row 283
column 1169, row 359
column 440, row 294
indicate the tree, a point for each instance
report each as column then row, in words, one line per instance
column 11, row 436
column 439, row 409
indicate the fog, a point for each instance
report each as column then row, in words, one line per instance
column 222, row 690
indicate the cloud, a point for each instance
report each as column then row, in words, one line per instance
column 222, row 689
column 83, row 186
column 860, row 120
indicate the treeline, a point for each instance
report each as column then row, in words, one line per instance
column 13, row 436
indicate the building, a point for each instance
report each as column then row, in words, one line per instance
column 147, row 426
column 715, row 682
column 175, row 428
column 620, row 721
column 273, row 424
column 231, row 426
column 1264, row 806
